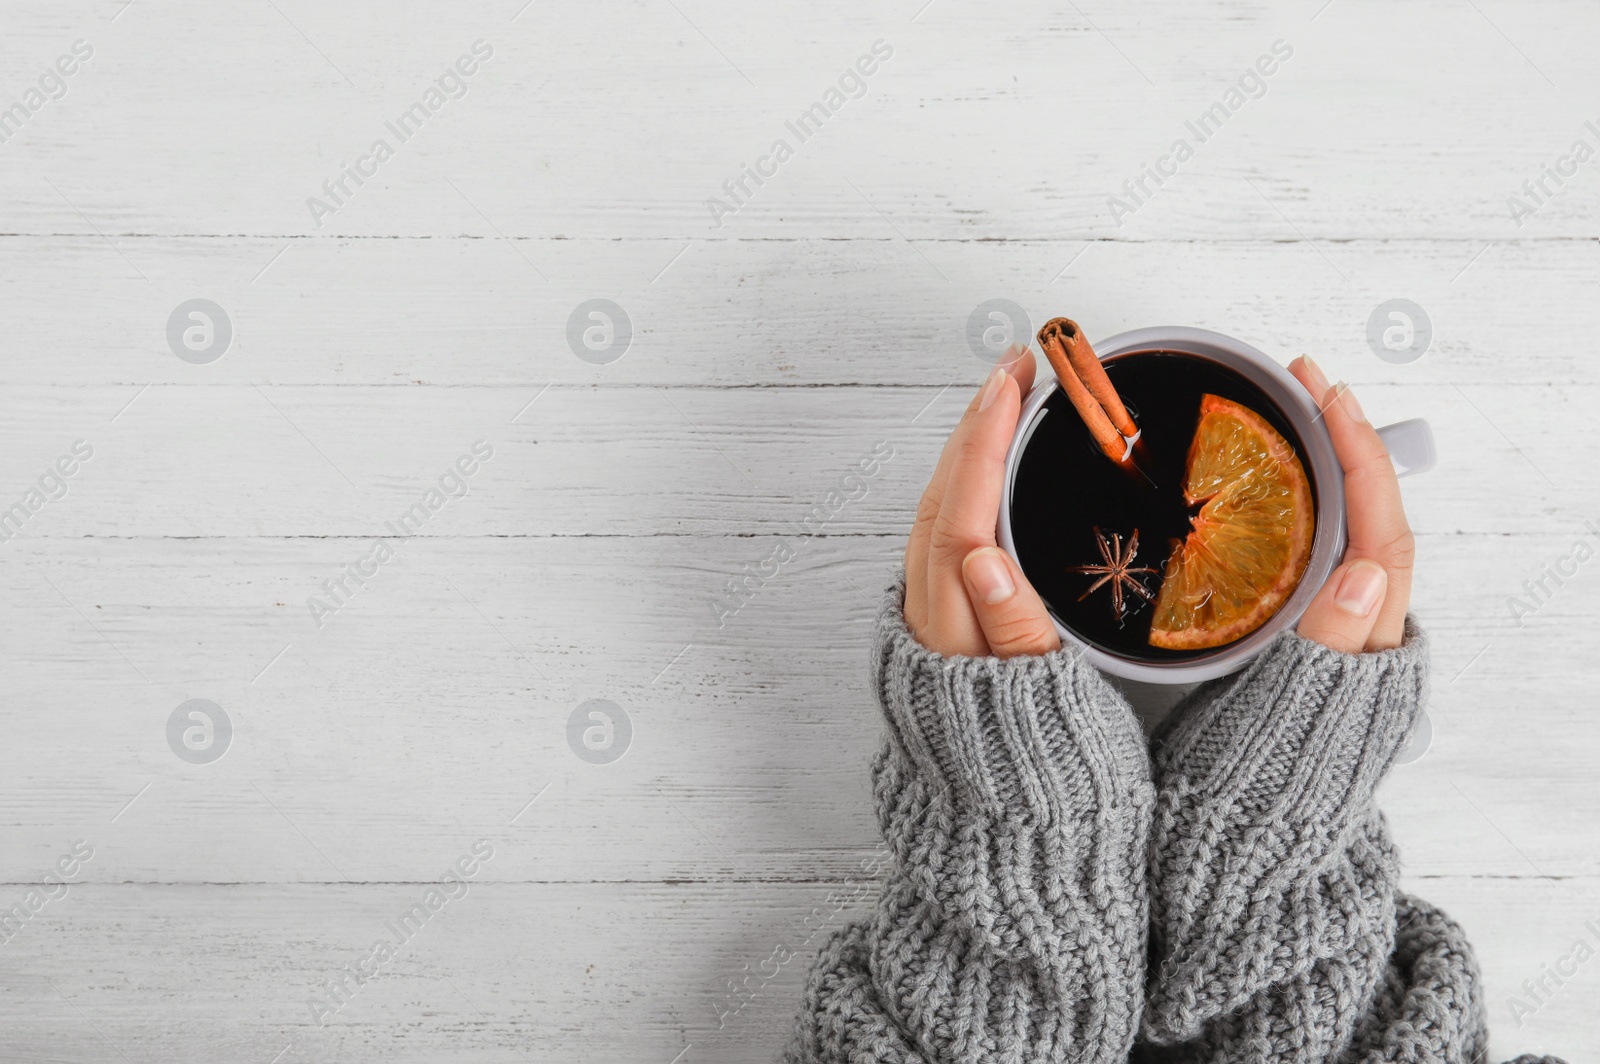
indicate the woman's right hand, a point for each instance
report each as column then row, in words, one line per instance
column 1363, row 604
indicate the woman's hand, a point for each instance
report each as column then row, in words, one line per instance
column 964, row 595
column 1363, row 604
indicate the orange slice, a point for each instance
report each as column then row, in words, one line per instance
column 1251, row 539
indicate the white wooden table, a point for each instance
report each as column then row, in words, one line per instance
column 631, row 911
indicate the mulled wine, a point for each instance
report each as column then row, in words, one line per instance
column 1075, row 512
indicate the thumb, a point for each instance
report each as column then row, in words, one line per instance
column 1346, row 609
column 1009, row 610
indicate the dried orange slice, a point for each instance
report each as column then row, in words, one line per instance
column 1251, row 539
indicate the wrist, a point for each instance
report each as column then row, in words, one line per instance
column 1037, row 736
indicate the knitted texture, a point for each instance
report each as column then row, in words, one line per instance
column 1037, row 841
column 1015, row 797
column 1278, row 931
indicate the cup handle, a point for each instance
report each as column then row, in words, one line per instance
column 1410, row 446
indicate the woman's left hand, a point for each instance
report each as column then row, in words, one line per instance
column 964, row 595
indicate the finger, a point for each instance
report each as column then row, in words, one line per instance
column 969, row 501
column 1308, row 373
column 968, row 508
column 916, row 610
column 1343, row 614
column 1013, row 617
column 1374, row 512
column 1019, row 362
column 1020, row 367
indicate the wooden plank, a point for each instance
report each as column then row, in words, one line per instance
column 437, row 701
column 1386, row 124
column 807, row 311
column 541, row 972
column 242, row 460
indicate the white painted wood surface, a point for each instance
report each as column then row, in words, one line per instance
column 769, row 354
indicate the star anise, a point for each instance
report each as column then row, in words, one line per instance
column 1117, row 569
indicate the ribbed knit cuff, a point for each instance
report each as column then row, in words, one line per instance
column 1303, row 731
column 1039, row 737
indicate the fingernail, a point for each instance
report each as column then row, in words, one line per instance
column 989, row 575
column 1347, row 398
column 1361, row 588
column 991, row 387
column 1319, row 379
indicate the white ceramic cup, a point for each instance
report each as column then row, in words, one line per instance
column 1410, row 445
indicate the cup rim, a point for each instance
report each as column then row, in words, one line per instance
column 1297, row 406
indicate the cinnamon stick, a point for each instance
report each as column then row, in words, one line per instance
column 1086, row 384
column 1082, row 358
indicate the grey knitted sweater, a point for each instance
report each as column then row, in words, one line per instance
column 1062, row 893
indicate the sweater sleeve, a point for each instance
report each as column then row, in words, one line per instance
column 1015, row 798
column 1278, row 933
column 1272, row 876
